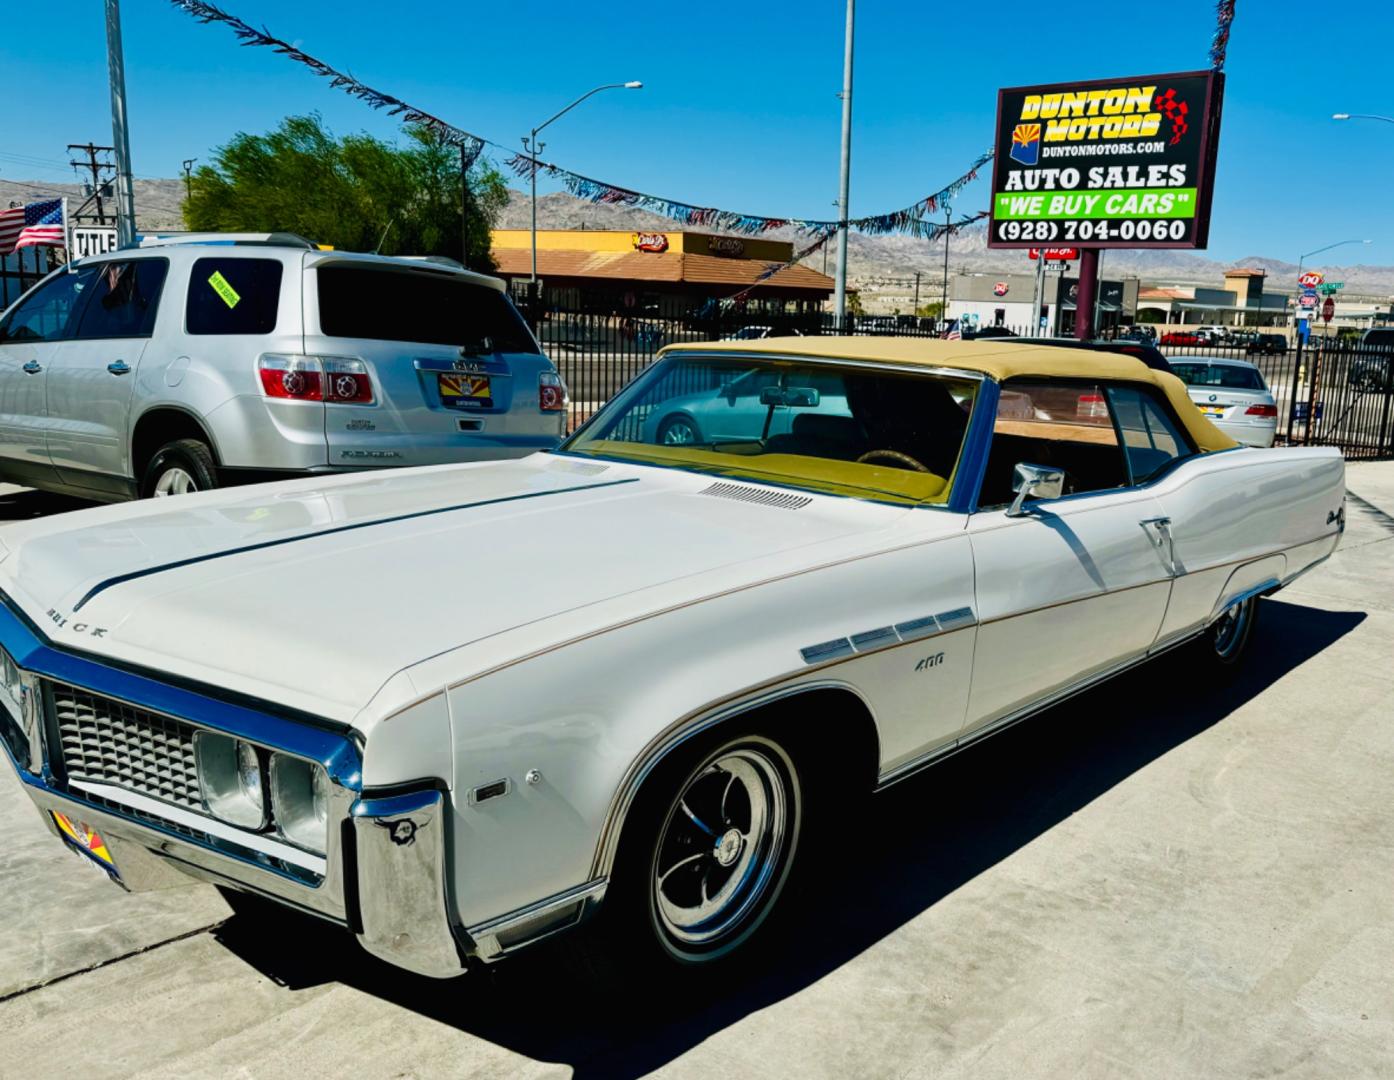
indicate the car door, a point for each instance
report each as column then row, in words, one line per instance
column 30, row 338
column 1068, row 588
column 93, row 373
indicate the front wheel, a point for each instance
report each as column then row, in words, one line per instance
column 678, row 431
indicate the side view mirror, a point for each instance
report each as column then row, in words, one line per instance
column 1034, row 482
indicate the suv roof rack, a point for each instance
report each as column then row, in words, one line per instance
column 269, row 239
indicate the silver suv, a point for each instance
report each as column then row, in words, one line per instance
column 198, row 361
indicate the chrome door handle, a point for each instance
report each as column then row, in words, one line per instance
column 1158, row 530
column 32, row 368
column 119, row 367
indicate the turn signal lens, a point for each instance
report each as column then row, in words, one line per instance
column 297, row 378
column 231, row 778
column 300, row 798
column 1261, row 410
column 551, row 392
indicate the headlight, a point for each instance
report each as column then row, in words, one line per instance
column 300, row 795
column 231, row 778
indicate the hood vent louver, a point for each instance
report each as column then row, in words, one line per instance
column 782, row 500
column 578, row 468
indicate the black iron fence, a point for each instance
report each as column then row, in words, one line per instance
column 1330, row 392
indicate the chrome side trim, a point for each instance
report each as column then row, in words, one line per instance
column 1267, row 586
column 490, row 937
column 885, row 637
column 685, row 728
column 909, row 768
column 401, row 856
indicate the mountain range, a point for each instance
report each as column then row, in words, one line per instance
column 878, row 265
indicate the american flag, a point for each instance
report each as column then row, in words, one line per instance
column 38, row 224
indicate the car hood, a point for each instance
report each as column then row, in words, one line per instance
column 314, row 593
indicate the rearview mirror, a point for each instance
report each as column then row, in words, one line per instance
column 795, row 397
column 1034, row 482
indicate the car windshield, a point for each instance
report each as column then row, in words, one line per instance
column 839, row 429
column 1230, row 376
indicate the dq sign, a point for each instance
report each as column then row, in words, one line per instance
column 1311, row 279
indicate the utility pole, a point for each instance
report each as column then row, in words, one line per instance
column 944, row 307
column 189, row 178
column 845, row 180
column 916, row 309
column 1038, row 297
column 96, row 168
column 116, row 72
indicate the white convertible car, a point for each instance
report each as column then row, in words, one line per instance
column 458, row 709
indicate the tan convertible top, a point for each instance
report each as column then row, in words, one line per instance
column 999, row 362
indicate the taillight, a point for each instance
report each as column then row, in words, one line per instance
column 1261, row 410
column 346, row 382
column 335, row 379
column 551, row 392
column 1091, row 405
column 298, row 378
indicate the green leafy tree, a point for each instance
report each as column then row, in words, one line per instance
column 352, row 192
column 931, row 310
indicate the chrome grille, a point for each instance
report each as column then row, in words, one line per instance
column 114, row 743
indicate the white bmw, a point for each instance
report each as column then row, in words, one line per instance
column 458, row 709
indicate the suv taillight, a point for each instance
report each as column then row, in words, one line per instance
column 1261, row 410
column 551, row 392
column 297, row 378
column 346, row 382
column 1091, row 405
column 335, row 379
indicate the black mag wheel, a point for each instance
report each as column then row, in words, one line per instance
column 1228, row 636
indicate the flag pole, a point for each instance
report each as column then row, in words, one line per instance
column 67, row 236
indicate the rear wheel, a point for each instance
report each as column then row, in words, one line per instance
column 1227, row 639
column 179, row 468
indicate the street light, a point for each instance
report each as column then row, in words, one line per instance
column 1361, row 116
column 1303, row 258
column 535, row 148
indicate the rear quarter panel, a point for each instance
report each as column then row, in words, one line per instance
column 1239, row 506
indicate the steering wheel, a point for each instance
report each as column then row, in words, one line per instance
column 904, row 460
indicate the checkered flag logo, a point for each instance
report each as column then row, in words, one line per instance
column 1176, row 111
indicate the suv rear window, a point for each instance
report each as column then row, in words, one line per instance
column 430, row 308
column 234, row 296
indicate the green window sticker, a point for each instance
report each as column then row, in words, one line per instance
column 224, row 288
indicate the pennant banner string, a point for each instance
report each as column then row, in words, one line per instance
column 908, row 220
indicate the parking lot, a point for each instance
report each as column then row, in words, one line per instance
column 1159, row 878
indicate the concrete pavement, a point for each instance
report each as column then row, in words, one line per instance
column 1160, row 878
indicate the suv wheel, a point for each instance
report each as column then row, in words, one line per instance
column 178, row 468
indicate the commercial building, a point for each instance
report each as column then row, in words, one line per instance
column 1008, row 300
column 672, row 274
column 1241, row 302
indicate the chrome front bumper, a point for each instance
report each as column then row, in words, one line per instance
column 383, row 875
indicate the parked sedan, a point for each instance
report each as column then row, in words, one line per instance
column 737, row 406
column 1182, row 337
column 1232, row 395
column 457, row 710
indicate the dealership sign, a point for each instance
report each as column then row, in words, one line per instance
column 92, row 240
column 1117, row 163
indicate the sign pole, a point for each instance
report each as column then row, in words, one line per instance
column 845, row 174
column 1040, row 293
column 1084, row 296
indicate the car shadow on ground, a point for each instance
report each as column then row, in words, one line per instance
column 918, row 842
column 24, row 503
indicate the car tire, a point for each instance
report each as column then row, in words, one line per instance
column 708, row 848
column 179, row 468
column 679, row 430
column 1226, row 640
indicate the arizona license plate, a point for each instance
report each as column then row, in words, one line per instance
column 87, row 841
column 462, row 391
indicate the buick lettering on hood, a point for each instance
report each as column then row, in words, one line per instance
column 459, row 709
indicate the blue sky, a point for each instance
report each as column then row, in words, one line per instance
column 739, row 108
